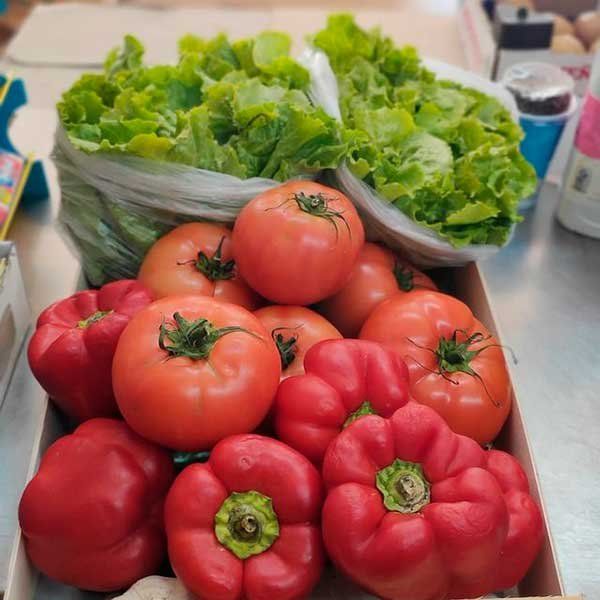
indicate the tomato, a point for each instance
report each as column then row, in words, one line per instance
column 377, row 275
column 295, row 329
column 196, row 259
column 456, row 366
column 190, row 370
column 297, row 243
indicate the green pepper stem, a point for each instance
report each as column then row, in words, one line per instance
column 246, row 523
column 93, row 318
column 181, row 460
column 403, row 486
column 366, row 408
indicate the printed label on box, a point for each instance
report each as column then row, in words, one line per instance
column 11, row 169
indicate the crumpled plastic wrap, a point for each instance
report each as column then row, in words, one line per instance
column 114, row 208
column 383, row 221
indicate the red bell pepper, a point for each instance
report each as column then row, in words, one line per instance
column 72, row 348
column 417, row 512
column 92, row 517
column 246, row 523
column 344, row 380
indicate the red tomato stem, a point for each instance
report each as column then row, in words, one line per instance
column 404, row 276
column 455, row 357
column 213, row 267
column 194, row 339
column 287, row 348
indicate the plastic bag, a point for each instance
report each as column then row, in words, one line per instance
column 114, row 209
column 383, row 221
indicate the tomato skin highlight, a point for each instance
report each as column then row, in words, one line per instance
column 304, row 325
column 378, row 274
column 414, row 325
column 186, row 403
column 169, row 268
column 291, row 256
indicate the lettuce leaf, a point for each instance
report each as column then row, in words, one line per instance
column 239, row 108
column 444, row 154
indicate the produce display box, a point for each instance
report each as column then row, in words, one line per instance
column 543, row 579
column 14, row 313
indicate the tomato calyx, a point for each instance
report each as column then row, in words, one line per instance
column 366, row 408
column 403, row 486
column 317, row 205
column 287, row 347
column 404, row 276
column 455, row 357
column 194, row 339
column 181, row 460
column 93, row 318
column 246, row 523
column 213, row 267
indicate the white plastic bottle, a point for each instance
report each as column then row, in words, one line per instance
column 579, row 208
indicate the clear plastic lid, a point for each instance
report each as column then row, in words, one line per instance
column 539, row 88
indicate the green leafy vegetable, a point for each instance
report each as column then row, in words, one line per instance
column 238, row 108
column 446, row 155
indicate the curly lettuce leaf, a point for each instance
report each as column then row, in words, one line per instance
column 239, row 108
column 444, row 154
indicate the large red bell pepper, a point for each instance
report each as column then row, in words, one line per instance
column 344, row 380
column 245, row 524
column 72, row 348
column 417, row 512
column 92, row 517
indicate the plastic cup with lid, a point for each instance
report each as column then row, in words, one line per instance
column 545, row 97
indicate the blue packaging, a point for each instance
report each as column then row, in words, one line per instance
column 541, row 138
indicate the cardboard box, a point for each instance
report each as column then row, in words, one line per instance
column 14, row 313
column 543, row 578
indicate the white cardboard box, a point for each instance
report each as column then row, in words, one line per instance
column 542, row 580
column 15, row 314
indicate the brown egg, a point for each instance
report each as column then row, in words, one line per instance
column 567, row 43
column 562, row 25
column 587, row 26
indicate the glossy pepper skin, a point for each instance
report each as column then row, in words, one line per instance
column 92, row 516
column 417, row 512
column 72, row 348
column 245, row 525
column 343, row 379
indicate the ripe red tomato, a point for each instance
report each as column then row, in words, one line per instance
column 377, row 275
column 297, row 243
column 295, row 329
column 456, row 366
column 196, row 258
column 191, row 370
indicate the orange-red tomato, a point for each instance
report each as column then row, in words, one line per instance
column 191, row 370
column 377, row 275
column 297, row 243
column 196, row 258
column 295, row 329
column 456, row 366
